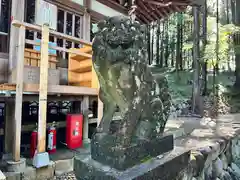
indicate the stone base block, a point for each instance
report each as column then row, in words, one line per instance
column 41, row 160
column 164, row 167
column 63, row 166
column 13, row 176
column 46, row 172
column 121, row 158
column 18, row 166
column 29, row 174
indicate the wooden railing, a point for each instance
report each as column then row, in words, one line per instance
column 43, row 86
column 36, row 28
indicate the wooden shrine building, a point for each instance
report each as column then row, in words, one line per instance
column 41, row 81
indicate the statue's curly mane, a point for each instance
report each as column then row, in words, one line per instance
column 120, row 37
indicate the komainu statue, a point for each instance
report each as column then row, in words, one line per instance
column 136, row 148
column 121, row 63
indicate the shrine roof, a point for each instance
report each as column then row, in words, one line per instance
column 151, row 10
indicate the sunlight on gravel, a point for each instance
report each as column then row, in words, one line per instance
column 67, row 176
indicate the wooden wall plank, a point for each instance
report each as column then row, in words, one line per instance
column 62, row 89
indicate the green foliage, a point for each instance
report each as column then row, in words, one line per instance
column 225, row 43
column 187, row 46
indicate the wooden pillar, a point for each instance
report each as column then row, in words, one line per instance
column 8, row 126
column 87, row 21
column 17, row 13
column 87, row 36
column 19, row 95
column 43, row 87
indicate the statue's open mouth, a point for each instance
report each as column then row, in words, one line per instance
column 120, row 39
column 123, row 45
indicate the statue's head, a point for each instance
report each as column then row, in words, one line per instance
column 119, row 34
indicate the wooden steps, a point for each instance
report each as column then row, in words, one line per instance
column 80, row 69
column 85, row 49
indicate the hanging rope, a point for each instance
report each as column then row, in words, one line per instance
column 132, row 11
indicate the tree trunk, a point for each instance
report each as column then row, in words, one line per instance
column 196, row 107
column 178, row 44
column 227, row 12
column 152, row 43
column 237, row 71
column 233, row 6
column 204, row 64
column 236, row 19
column 149, row 43
column 166, row 45
column 158, row 43
column 172, row 46
column 181, row 42
column 162, row 45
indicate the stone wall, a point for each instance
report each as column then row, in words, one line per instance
column 215, row 148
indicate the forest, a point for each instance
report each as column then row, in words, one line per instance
column 198, row 51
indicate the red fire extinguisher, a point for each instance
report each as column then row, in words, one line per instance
column 52, row 139
column 33, row 145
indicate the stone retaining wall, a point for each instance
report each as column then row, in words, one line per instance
column 215, row 150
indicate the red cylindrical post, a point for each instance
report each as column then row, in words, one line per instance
column 52, row 139
column 33, row 145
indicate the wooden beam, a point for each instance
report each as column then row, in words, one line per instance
column 35, row 97
column 62, row 90
column 145, row 14
column 72, row 51
column 43, row 88
column 114, row 6
column 51, row 32
column 68, row 5
column 19, row 95
column 164, row 4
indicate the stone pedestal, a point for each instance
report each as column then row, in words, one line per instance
column 142, row 159
column 106, row 149
column 19, row 166
column 165, row 167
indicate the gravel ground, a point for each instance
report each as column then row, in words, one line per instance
column 68, row 176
